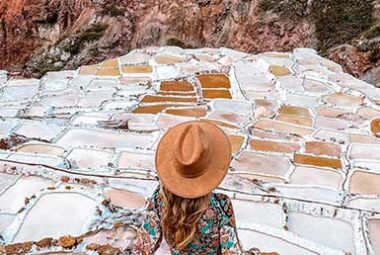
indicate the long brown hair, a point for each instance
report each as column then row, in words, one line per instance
column 180, row 217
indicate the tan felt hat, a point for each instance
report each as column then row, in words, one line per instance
column 192, row 158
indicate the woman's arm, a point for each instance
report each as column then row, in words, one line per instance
column 229, row 241
column 149, row 237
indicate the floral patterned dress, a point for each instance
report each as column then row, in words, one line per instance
column 216, row 230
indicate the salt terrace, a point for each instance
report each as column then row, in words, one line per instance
column 77, row 149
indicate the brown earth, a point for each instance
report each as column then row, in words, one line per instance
column 37, row 36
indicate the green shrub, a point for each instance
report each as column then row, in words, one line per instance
column 371, row 33
column 42, row 67
column 72, row 48
column 93, row 33
column 284, row 8
column 178, row 43
column 340, row 21
column 113, row 11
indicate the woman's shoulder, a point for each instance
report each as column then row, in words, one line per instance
column 224, row 205
column 224, row 202
column 220, row 197
column 154, row 201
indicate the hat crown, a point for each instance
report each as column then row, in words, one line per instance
column 191, row 151
column 192, row 158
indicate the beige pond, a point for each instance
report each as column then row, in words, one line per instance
column 42, row 148
column 374, row 232
column 14, row 198
column 251, row 162
column 70, row 216
column 5, row 221
column 258, row 213
column 125, row 198
column 268, row 244
column 136, row 160
column 365, row 183
column 316, row 177
column 275, row 146
column 318, row 229
column 80, row 137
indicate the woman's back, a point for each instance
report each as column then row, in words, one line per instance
column 192, row 159
column 215, row 231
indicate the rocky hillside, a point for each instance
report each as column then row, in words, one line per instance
column 38, row 36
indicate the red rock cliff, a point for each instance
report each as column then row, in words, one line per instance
column 43, row 35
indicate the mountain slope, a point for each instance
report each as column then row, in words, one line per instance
column 38, row 36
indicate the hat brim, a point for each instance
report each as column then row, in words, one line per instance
column 214, row 172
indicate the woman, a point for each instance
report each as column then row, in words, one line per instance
column 192, row 160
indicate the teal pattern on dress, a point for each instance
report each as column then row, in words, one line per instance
column 216, row 229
